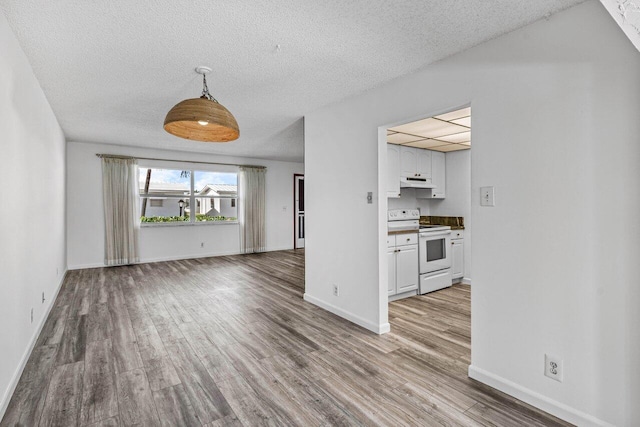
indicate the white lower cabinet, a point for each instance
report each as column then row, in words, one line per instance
column 407, row 268
column 403, row 260
column 457, row 255
column 391, row 260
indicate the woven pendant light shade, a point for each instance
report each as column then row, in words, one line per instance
column 201, row 119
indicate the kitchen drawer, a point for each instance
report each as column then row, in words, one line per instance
column 406, row 239
column 457, row 234
column 391, row 240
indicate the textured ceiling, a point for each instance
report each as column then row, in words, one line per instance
column 112, row 69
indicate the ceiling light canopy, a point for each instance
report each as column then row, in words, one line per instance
column 202, row 119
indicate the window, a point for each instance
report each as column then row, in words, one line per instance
column 187, row 196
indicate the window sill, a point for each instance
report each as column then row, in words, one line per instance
column 186, row 224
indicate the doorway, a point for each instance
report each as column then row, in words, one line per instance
column 298, row 211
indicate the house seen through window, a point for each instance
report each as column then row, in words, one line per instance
column 187, row 196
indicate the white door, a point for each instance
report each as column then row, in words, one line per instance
column 298, row 215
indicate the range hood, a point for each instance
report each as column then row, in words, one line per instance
column 415, row 182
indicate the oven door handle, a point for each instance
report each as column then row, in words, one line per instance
column 431, row 234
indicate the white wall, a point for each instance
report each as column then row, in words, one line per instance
column 458, row 198
column 555, row 263
column 32, row 223
column 86, row 218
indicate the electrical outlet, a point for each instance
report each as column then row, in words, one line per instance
column 43, row 300
column 202, row 244
column 553, row 367
column 31, row 314
column 336, row 291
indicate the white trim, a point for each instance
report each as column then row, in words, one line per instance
column 176, row 258
column 8, row 394
column 378, row 329
column 466, row 281
column 538, row 400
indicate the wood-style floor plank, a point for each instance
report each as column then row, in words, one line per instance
column 64, row 396
column 135, row 400
column 28, row 399
column 229, row 341
column 174, row 407
column 100, row 398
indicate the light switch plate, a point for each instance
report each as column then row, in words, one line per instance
column 487, row 196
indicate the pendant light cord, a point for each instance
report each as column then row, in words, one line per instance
column 205, row 90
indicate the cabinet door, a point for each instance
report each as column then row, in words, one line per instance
column 391, row 260
column 408, row 161
column 457, row 259
column 393, row 170
column 438, row 174
column 423, row 163
column 407, row 268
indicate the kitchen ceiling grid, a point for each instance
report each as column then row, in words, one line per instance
column 446, row 132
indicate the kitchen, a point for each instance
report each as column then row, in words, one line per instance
column 429, row 204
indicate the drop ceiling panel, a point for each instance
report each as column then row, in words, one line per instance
column 451, row 147
column 465, row 121
column 425, row 143
column 457, row 114
column 430, row 128
column 401, row 138
column 456, row 138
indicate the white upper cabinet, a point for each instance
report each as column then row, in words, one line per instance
column 423, row 163
column 408, row 161
column 415, row 162
column 393, row 170
column 438, row 175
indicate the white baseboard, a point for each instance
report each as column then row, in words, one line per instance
column 538, row 400
column 83, row 266
column 466, row 281
column 176, row 258
column 6, row 397
column 378, row 329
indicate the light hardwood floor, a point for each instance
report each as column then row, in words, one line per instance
column 228, row 341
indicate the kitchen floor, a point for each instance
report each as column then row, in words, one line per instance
column 228, row 341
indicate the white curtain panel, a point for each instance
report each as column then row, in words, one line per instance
column 252, row 209
column 121, row 213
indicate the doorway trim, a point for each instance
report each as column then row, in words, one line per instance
column 383, row 306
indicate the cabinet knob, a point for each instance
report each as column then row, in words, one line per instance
column 452, row 243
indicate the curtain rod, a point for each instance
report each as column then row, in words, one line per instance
column 115, row 156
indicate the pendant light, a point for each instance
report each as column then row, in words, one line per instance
column 202, row 119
